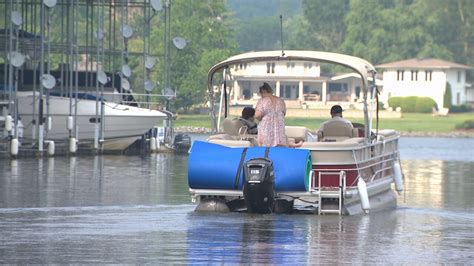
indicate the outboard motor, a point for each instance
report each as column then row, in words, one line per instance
column 259, row 187
column 182, row 143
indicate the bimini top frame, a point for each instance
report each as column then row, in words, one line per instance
column 360, row 66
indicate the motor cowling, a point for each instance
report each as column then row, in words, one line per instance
column 182, row 142
column 259, row 186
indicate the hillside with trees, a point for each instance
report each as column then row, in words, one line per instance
column 377, row 30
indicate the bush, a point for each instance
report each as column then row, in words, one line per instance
column 447, row 98
column 463, row 108
column 408, row 104
column 424, row 105
column 394, row 102
column 468, row 124
column 381, row 106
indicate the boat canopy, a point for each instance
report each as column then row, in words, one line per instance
column 358, row 65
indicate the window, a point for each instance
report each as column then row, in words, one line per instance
column 458, row 98
column 306, row 89
column 337, row 87
column 414, row 75
column 428, row 74
column 247, row 94
column 459, row 76
column 399, row 75
column 287, row 91
column 270, row 68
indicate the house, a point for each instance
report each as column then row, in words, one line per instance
column 426, row 77
column 300, row 83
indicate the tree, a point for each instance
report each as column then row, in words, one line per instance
column 391, row 30
column 296, row 33
column 451, row 23
column 257, row 23
column 326, row 22
column 447, row 98
column 258, row 34
column 206, row 25
column 419, row 28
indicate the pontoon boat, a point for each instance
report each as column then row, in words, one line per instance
column 340, row 171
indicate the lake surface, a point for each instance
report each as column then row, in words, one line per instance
column 131, row 209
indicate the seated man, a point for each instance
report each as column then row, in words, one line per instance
column 248, row 119
column 337, row 119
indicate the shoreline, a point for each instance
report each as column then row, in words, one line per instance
column 451, row 134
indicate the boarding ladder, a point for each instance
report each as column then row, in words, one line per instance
column 335, row 193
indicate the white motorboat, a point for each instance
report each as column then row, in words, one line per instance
column 123, row 121
column 123, row 124
column 343, row 171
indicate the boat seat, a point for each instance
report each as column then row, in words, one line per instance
column 388, row 133
column 234, row 127
column 344, row 144
column 296, row 134
column 231, row 143
column 337, row 131
column 221, row 136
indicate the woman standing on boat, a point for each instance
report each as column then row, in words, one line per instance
column 270, row 110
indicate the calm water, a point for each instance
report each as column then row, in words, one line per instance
column 118, row 209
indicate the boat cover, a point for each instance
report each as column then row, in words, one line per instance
column 213, row 166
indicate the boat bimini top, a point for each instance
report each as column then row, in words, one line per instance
column 360, row 66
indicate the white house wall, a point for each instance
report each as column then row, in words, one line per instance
column 421, row 87
column 287, row 69
column 240, row 86
column 248, row 77
column 470, row 95
column 298, row 74
column 458, row 90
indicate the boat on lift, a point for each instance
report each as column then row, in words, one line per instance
column 124, row 122
column 341, row 171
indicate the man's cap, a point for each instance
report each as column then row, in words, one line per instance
column 336, row 109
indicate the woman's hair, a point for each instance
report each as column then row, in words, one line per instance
column 248, row 112
column 265, row 87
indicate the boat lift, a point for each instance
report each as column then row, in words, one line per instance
column 25, row 43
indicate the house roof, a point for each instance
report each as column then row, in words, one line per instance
column 424, row 63
column 378, row 81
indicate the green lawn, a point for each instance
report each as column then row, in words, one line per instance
column 193, row 121
column 409, row 122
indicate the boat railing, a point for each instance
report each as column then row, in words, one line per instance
column 142, row 100
column 382, row 164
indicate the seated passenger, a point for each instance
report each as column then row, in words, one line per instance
column 336, row 114
column 248, row 119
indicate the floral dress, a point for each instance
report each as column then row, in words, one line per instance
column 271, row 129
